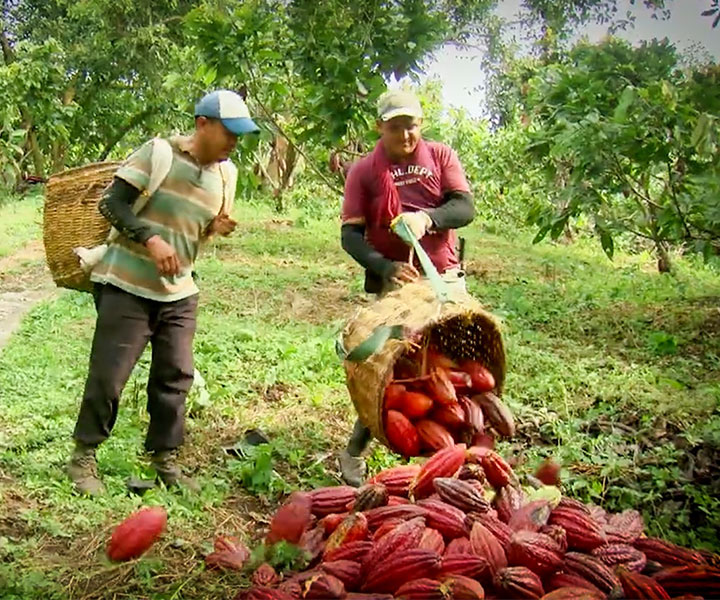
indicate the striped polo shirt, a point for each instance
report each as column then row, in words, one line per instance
column 179, row 211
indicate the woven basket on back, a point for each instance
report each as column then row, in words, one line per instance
column 71, row 219
column 461, row 330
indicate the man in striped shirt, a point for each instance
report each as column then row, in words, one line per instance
column 145, row 291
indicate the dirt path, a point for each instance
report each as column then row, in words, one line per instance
column 24, row 281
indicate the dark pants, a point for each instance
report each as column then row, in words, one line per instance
column 125, row 325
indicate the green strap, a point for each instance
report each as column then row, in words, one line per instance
column 401, row 228
column 371, row 345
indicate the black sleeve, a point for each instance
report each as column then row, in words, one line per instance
column 457, row 211
column 355, row 244
column 116, row 207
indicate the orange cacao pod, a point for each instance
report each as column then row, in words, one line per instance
column 397, row 480
column 536, row 551
column 519, row 582
column 444, row 463
column 485, row 544
column 415, row 405
column 433, row 435
column 354, row 528
column 137, row 533
column 581, row 530
column 460, row 494
column 463, row 588
column 399, row 568
column 401, row 433
column 330, row 522
column 447, row 519
column 498, row 472
column 393, row 397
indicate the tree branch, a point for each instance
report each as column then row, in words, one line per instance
column 131, row 124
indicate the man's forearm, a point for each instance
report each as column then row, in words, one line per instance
column 116, row 207
column 457, row 211
column 354, row 243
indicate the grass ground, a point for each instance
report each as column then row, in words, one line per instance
column 613, row 369
column 20, row 221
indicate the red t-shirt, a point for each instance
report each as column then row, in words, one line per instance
column 420, row 186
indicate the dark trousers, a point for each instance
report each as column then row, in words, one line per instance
column 125, row 325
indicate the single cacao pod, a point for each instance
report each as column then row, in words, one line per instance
column 570, row 580
column 377, row 516
column 470, row 565
column 630, row 522
column 312, row 541
column 433, row 435
column 401, row 538
column 519, row 582
column 581, row 530
column 397, row 480
column 395, row 500
column 473, row 414
column 330, row 522
column 485, row 544
column 354, row 551
column 481, row 378
column 225, row 560
column 621, row 554
column 573, row 593
column 370, row 496
column 472, row 472
column 497, row 413
column 460, row 494
column 451, row 417
column 508, row 501
column 332, row 499
column 490, row 521
column 402, row 434
column 386, row 527
column 347, row 571
column 667, row 553
column 353, row 529
column 690, row 579
column 461, row 587
column 445, row 463
column 595, row 571
column 459, row 545
column 324, row 586
column 447, row 519
column 536, row 551
column 422, row 589
column 499, row 474
column 432, row 539
column 399, row 568
column 137, row 533
column 265, row 575
column 548, row 472
column 291, row 519
column 531, row 516
column 558, row 534
column 640, row 587
column 440, row 388
column 416, row 405
column 393, row 397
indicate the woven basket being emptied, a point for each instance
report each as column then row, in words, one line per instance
column 461, row 330
column 71, row 218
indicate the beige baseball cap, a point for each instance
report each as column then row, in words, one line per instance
column 398, row 103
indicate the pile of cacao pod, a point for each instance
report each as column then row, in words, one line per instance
column 461, row 526
column 434, row 402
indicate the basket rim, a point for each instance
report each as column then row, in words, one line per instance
column 87, row 167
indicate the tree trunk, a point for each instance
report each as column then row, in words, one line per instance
column 664, row 263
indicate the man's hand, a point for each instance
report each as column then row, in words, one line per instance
column 404, row 273
column 418, row 222
column 163, row 255
column 222, row 225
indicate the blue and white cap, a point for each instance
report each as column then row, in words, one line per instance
column 229, row 108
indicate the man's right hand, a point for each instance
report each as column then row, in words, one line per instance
column 404, row 273
column 163, row 255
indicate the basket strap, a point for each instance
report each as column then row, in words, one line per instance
column 401, row 228
column 371, row 345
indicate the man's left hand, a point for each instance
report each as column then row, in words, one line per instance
column 222, row 225
column 418, row 222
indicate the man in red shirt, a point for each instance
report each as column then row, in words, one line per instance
column 421, row 182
